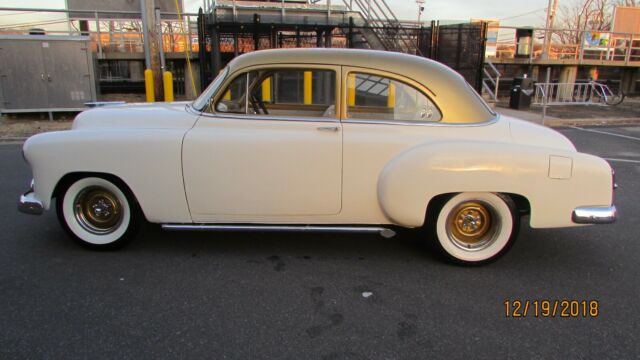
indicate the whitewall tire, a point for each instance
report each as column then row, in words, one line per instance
column 475, row 228
column 97, row 212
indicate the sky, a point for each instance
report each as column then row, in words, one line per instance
column 510, row 12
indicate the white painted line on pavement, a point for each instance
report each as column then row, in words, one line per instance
column 623, row 160
column 606, row 133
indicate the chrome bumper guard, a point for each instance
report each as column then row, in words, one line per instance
column 594, row 215
column 29, row 203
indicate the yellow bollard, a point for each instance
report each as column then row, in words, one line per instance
column 307, row 88
column 148, row 85
column 167, row 79
column 391, row 98
column 266, row 90
column 351, row 90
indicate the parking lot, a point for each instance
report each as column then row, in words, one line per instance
column 320, row 296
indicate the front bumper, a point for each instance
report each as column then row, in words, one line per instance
column 594, row 215
column 29, row 203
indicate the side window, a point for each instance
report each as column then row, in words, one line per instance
column 281, row 93
column 372, row 97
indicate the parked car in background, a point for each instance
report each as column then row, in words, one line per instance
column 319, row 140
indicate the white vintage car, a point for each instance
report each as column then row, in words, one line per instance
column 318, row 140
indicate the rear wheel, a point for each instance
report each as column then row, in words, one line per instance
column 475, row 228
column 98, row 213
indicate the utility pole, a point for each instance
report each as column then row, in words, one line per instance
column 152, row 57
column 551, row 17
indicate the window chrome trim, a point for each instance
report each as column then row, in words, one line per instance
column 269, row 118
column 410, row 123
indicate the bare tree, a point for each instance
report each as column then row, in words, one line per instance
column 587, row 15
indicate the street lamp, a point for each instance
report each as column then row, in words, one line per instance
column 420, row 8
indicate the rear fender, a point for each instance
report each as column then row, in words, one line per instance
column 410, row 180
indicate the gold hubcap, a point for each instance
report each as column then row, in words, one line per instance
column 98, row 210
column 470, row 224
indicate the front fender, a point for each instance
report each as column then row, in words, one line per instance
column 553, row 188
column 147, row 160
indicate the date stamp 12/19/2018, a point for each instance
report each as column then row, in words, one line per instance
column 551, row 308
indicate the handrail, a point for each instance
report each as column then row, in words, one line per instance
column 495, row 81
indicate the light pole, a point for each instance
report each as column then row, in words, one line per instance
column 420, row 8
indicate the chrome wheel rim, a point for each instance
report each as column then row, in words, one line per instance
column 98, row 210
column 472, row 225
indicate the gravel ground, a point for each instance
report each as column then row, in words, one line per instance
column 26, row 125
column 17, row 126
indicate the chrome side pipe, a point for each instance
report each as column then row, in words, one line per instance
column 384, row 232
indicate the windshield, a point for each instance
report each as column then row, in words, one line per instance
column 203, row 100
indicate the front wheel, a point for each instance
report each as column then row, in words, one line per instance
column 98, row 213
column 475, row 228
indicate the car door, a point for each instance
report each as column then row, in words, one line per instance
column 383, row 115
column 269, row 147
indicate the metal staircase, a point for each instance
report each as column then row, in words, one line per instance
column 379, row 28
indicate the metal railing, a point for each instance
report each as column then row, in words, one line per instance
column 110, row 31
column 585, row 93
column 118, row 32
column 580, row 46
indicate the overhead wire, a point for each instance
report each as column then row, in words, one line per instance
column 28, row 24
column 523, row 14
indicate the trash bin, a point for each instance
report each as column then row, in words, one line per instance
column 521, row 93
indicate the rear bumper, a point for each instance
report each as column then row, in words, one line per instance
column 595, row 215
column 29, row 203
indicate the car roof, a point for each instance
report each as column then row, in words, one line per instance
column 457, row 101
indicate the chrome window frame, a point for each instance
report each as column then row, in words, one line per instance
column 224, row 73
column 346, row 70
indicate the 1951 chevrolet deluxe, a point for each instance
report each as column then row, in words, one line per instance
column 318, row 140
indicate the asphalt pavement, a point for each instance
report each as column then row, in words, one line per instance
column 318, row 296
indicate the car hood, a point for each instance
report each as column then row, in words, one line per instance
column 140, row 115
column 528, row 133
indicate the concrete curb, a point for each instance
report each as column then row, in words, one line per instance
column 12, row 140
column 556, row 122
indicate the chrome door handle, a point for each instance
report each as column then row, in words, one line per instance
column 328, row 128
